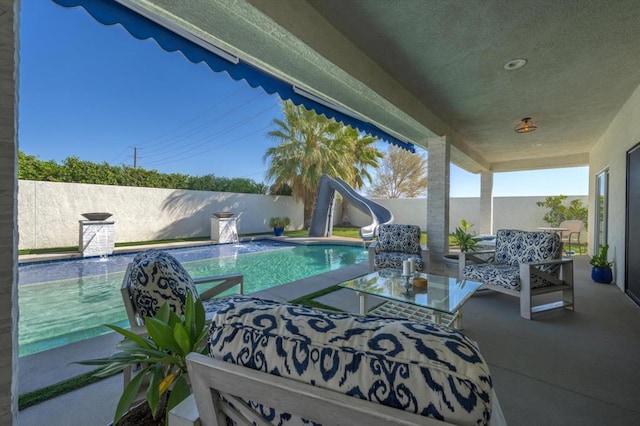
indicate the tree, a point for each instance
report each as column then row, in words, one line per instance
column 75, row 170
column 402, row 174
column 310, row 145
column 365, row 156
column 559, row 211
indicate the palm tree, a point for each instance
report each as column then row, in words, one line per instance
column 310, row 145
column 364, row 154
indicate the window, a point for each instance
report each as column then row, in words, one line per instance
column 602, row 209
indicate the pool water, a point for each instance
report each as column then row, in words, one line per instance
column 67, row 301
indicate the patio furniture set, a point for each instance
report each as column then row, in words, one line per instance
column 398, row 363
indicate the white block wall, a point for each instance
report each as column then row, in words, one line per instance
column 49, row 212
column 508, row 212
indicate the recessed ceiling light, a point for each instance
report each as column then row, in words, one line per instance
column 515, row 64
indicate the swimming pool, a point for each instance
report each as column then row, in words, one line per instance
column 67, row 301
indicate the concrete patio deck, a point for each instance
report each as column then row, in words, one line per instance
column 562, row 368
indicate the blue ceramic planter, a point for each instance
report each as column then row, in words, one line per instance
column 278, row 231
column 601, row 275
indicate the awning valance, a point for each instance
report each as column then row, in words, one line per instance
column 108, row 12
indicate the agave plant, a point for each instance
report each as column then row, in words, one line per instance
column 161, row 355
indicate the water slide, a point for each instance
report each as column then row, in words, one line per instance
column 322, row 219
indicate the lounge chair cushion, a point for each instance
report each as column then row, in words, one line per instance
column 507, row 276
column 514, row 247
column 395, row 259
column 419, row 367
column 399, row 238
column 156, row 278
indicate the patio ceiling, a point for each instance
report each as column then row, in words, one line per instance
column 420, row 69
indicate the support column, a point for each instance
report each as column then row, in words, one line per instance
column 8, row 212
column 486, row 203
column 438, row 201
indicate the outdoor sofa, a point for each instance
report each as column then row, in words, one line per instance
column 275, row 363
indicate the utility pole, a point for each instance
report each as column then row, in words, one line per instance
column 135, row 157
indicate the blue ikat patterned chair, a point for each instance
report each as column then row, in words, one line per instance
column 397, row 243
column 525, row 264
column 336, row 368
column 154, row 278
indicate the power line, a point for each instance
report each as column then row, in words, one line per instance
column 183, row 149
column 148, row 144
column 170, row 144
column 174, row 159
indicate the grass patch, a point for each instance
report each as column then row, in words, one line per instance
column 342, row 231
column 307, row 300
column 49, row 250
column 338, row 231
column 40, row 395
column 128, row 244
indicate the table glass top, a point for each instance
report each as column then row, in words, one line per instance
column 444, row 294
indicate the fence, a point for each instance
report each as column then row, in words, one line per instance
column 48, row 212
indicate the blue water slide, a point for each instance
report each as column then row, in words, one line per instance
column 322, row 219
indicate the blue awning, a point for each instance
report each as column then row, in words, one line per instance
column 108, row 12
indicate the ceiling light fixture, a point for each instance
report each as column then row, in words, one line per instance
column 515, row 64
column 525, row 126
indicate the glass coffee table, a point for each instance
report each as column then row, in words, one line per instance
column 439, row 302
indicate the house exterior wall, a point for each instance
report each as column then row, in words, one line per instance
column 50, row 211
column 8, row 253
column 611, row 151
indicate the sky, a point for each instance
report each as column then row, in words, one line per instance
column 96, row 92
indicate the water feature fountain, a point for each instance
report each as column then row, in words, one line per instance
column 97, row 235
column 224, row 228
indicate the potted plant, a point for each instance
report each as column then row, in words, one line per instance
column 601, row 271
column 466, row 242
column 278, row 224
column 162, row 360
column 463, row 238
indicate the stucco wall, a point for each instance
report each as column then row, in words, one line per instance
column 611, row 151
column 49, row 212
column 508, row 212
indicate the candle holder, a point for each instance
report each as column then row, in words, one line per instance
column 407, row 285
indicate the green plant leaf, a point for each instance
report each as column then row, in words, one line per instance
column 198, row 342
column 163, row 313
column 173, row 319
column 161, row 333
column 189, row 317
column 200, row 316
column 153, row 393
column 129, row 335
column 128, row 395
column 182, row 338
column 181, row 390
column 110, row 369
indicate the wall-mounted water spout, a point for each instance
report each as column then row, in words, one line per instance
column 97, row 235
